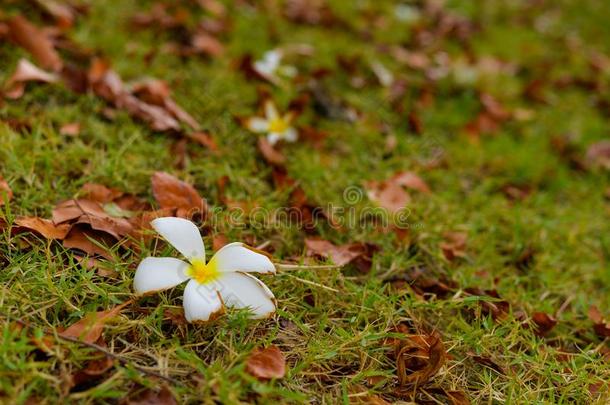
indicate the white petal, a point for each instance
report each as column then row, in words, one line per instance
column 181, row 234
column 290, row 135
column 257, row 124
column 158, row 274
column 273, row 58
column 201, row 302
column 274, row 137
column 270, row 111
column 241, row 290
column 238, row 257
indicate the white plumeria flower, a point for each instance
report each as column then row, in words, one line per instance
column 275, row 125
column 270, row 66
column 223, row 281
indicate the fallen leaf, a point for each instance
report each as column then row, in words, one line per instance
column 598, row 155
column 388, row 195
column 80, row 237
column 412, row 181
column 600, row 324
column 35, row 41
column 152, row 397
column 70, row 129
column 310, row 12
column 418, row 358
column 204, row 139
column 454, row 245
column 44, row 227
column 266, row 363
column 543, row 323
column 26, row 72
column 487, row 362
column 108, row 85
column 94, row 368
column 270, row 154
column 176, row 194
column 218, row 241
column 100, row 193
column 93, row 214
column 90, row 328
column 343, row 254
column 204, row 43
column 157, row 92
column 63, row 13
column 6, row 194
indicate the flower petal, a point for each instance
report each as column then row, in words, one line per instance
column 274, row 137
column 241, row 290
column 158, row 274
column 239, row 257
column 181, row 234
column 257, row 124
column 270, row 111
column 290, row 135
column 201, row 302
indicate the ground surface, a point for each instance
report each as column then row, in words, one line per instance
column 510, row 180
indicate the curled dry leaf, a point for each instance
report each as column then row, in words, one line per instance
column 44, row 227
column 90, row 328
column 418, row 358
column 6, row 194
column 176, row 194
column 26, row 72
column 266, row 363
column 600, row 325
column 35, row 41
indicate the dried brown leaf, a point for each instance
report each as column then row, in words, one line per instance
column 266, row 363
column 600, row 324
column 151, row 397
column 6, row 194
column 543, row 323
column 173, row 193
column 90, row 328
column 270, row 154
column 418, row 358
column 44, row 227
column 70, row 129
column 35, row 41
column 100, row 193
column 26, row 72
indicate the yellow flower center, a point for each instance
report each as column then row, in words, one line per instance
column 203, row 273
column 278, row 125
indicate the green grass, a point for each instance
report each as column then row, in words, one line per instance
column 334, row 342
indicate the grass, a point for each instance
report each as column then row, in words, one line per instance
column 334, row 342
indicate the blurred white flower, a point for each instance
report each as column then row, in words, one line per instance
column 270, row 66
column 277, row 127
